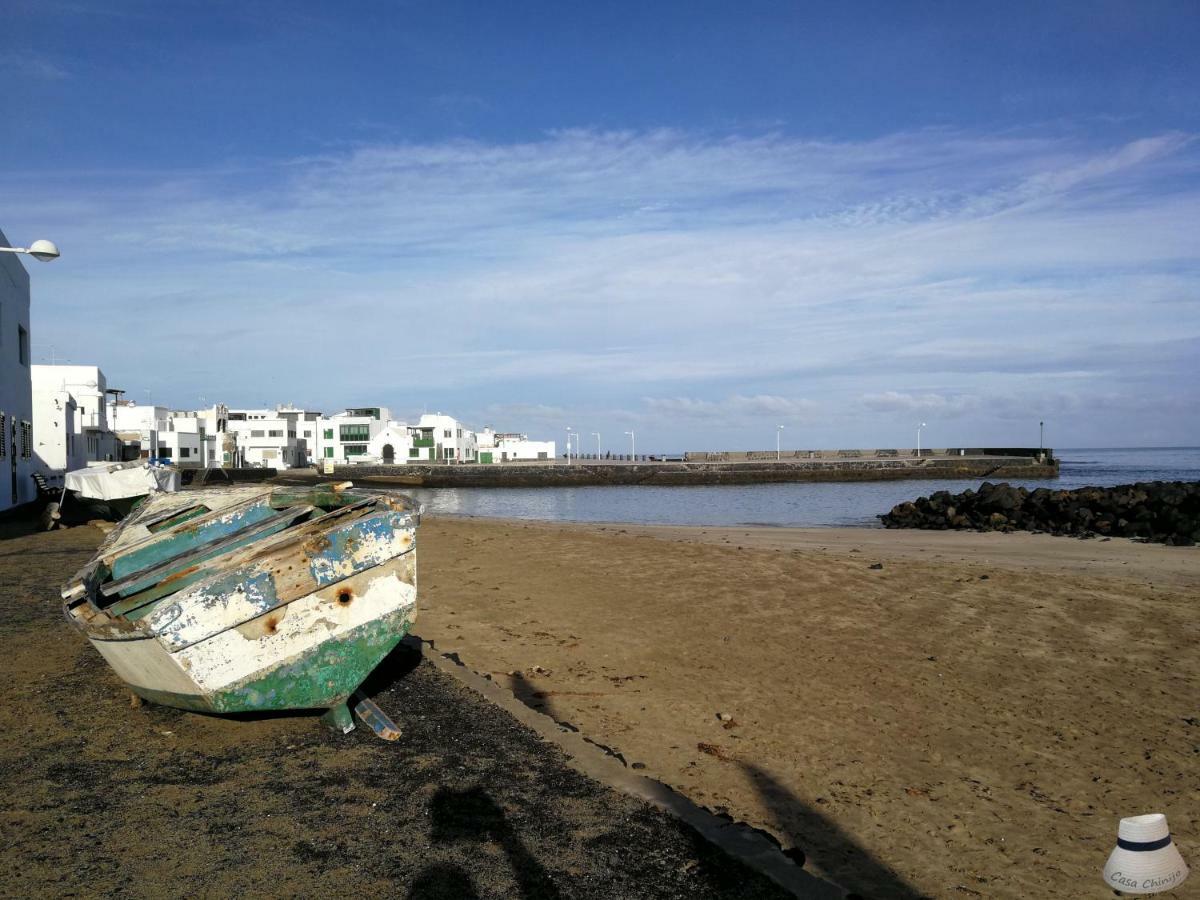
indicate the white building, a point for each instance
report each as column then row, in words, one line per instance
column 395, row 444
column 448, row 439
column 16, row 395
column 163, row 435
column 271, row 438
column 502, row 446
column 70, row 420
column 345, row 437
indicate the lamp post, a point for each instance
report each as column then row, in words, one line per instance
column 778, row 433
column 919, row 427
column 568, row 445
column 596, row 435
column 43, row 251
column 632, row 446
column 1041, row 437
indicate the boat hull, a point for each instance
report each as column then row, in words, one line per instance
column 309, row 653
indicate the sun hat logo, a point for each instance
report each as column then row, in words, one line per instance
column 1145, row 860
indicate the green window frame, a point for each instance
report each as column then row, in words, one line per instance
column 354, row 433
column 329, row 453
column 329, row 434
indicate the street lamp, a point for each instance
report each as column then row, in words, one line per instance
column 568, row 445
column 778, row 432
column 596, row 435
column 919, row 427
column 1041, row 437
column 632, row 446
column 43, row 251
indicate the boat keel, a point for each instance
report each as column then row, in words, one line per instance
column 339, row 719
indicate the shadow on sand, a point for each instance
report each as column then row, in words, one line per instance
column 813, row 834
column 838, row 854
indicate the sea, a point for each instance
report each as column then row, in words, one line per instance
column 796, row 504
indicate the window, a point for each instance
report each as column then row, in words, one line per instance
column 26, row 439
column 257, row 432
column 355, row 450
column 291, row 433
column 460, row 432
column 225, row 456
column 275, row 432
column 3, row 435
column 329, row 453
column 329, row 434
column 185, row 452
column 449, row 451
column 164, row 452
column 355, row 433
column 307, row 433
column 413, row 452
column 446, row 432
column 22, row 345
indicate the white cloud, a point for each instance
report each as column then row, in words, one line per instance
column 714, row 275
column 734, row 407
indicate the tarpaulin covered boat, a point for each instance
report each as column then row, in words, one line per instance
column 251, row 599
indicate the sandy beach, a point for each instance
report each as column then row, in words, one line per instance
column 99, row 799
column 922, row 713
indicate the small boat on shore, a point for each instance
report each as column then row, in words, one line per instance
column 251, row 599
column 120, row 486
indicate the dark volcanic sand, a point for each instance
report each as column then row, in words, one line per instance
column 99, row 798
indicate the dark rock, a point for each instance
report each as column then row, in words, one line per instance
column 1162, row 512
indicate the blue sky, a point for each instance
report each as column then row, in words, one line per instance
column 692, row 220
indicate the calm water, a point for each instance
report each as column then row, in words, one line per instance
column 786, row 504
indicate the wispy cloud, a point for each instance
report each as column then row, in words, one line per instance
column 23, row 64
column 668, row 274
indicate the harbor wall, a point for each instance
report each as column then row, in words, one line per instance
column 584, row 473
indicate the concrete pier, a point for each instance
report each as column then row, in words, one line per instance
column 1000, row 466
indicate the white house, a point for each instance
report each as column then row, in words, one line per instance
column 70, row 420
column 502, row 446
column 345, row 437
column 394, row 444
column 447, row 438
column 269, row 437
column 169, row 436
column 16, row 395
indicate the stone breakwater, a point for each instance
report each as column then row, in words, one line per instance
column 1165, row 512
column 688, row 473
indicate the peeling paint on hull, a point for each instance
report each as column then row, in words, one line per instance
column 297, row 620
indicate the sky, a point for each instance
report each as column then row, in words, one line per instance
column 695, row 221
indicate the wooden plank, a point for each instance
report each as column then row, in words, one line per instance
column 295, row 570
column 148, row 577
column 250, row 547
column 173, row 544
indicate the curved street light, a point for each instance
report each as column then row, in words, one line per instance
column 632, row 445
column 43, row 251
column 919, row 427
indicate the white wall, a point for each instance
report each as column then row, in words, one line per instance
column 16, row 395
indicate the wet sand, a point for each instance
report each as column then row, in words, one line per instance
column 923, row 713
column 101, row 799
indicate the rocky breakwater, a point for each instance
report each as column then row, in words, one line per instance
column 1166, row 512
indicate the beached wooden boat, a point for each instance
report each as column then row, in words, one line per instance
column 251, row 599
